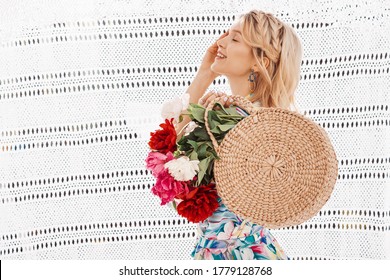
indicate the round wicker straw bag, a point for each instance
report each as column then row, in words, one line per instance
column 277, row 168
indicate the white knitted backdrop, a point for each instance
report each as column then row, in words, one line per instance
column 81, row 85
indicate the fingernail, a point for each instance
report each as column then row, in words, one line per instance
column 230, row 99
column 225, row 98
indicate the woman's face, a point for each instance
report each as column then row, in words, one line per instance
column 239, row 58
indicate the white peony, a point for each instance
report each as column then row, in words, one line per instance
column 182, row 168
column 173, row 108
column 190, row 127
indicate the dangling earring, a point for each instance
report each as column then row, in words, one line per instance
column 251, row 79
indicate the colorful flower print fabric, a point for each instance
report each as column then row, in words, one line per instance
column 225, row 236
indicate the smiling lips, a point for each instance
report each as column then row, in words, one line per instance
column 221, row 55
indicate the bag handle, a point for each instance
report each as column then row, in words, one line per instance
column 239, row 101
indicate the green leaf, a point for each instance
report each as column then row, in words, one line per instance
column 226, row 127
column 196, row 105
column 203, row 164
column 198, row 114
column 210, row 120
column 217, row 117
column 202, row 151
column 181, row 140
column 176, row 153
column 230, row 117
column 221, row 107
column 212, row 117
column 193, row 144
column 216, row 130
column 201, row 133
column 193, row 155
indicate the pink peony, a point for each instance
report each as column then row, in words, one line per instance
column 167, row 187
column 155, row 161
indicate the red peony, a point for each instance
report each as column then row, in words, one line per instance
column 164, row 140
column 199, row 203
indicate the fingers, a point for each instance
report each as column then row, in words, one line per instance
column 206, row 96
column 226, row 101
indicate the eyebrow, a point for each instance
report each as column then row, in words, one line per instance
column 235, row 30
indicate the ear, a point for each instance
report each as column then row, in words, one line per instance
column 266, row 61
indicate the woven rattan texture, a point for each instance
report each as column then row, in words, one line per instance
column 276, row 167
column 81, row 85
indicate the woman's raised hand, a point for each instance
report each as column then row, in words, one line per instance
column 209, row 57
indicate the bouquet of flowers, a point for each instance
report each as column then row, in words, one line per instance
column 184, row 168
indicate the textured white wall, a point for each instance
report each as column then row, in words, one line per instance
column 81, row 83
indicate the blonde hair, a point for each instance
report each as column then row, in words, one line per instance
column 269, row 37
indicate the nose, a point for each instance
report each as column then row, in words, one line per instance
column 219, row 42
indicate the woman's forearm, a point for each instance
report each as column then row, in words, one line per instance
column 196, row 90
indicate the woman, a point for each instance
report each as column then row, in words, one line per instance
column 261, row 57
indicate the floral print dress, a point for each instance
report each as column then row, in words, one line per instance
column 225, row 236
